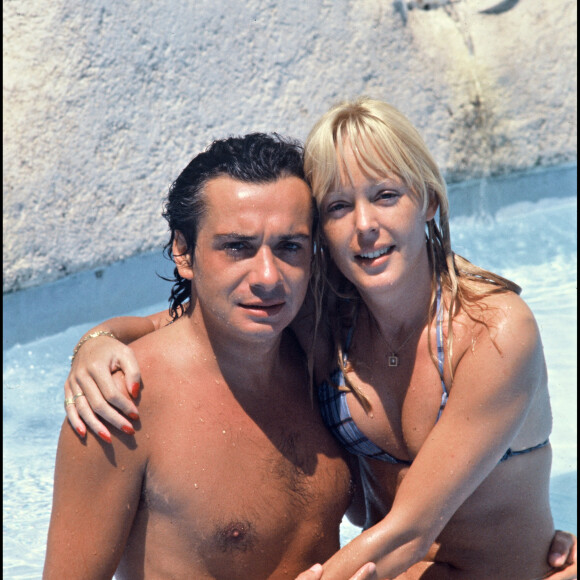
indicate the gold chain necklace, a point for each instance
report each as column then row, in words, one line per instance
column 393, row 359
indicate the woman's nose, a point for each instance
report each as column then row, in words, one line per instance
column 365, row 218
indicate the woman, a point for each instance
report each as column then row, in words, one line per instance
column 432, row 372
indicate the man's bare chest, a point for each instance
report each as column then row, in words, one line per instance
column 233, row 480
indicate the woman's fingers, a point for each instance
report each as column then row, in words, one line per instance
column 92, row 392
column 563, row 556
column 367, row 572
column 99, row 396
column 128, row 364
column 71, row 410
column 106, row 386
column 91, row 419
column 563, row 549
column 314, row 573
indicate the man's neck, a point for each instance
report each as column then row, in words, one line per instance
column 244, row 361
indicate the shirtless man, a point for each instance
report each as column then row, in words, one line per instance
column 230, row 473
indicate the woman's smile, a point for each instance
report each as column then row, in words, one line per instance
column 374, row 257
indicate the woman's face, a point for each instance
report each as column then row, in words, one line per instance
column 375, row 229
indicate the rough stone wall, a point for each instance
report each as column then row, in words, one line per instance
column 106, row 101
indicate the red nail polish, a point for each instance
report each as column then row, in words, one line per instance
column 128, row 430
column 105, row 437
column 133, row 416
column 80, row 432
column 135, row 390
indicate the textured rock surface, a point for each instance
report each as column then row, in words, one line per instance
column 105, row 102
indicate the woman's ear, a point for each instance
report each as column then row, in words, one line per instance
column 182, row 259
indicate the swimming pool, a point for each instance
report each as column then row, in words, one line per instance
column 521, row 227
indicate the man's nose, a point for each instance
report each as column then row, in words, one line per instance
column 265, row 272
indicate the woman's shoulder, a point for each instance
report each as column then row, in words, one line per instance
column 489, row 306
column 505, row 310
column 502, row 319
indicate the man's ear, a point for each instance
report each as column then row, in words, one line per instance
column 182, row 260
column 433, row 206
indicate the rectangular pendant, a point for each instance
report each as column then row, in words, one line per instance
column 393, row 360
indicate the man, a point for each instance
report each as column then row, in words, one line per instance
column 230, row 473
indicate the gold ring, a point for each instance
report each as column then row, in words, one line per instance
column 68, row 402
column 77, row 396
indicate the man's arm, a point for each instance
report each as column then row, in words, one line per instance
column 96, row 493
column 89, row 384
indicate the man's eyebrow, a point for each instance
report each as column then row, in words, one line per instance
column 235, row 236
column 297, row 236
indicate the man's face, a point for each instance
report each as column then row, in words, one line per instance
column 251, row 264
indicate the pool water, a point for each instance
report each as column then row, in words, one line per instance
column 530, row 242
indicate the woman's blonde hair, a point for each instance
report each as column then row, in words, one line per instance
column 383, row 141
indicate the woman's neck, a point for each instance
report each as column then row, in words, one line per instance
column 403, row 307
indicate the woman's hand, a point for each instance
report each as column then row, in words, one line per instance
column 367, row 572
column 90, row 390
column 562, row 556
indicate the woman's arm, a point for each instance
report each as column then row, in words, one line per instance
column 89, row 389
column 96, row 494
column 492, row 393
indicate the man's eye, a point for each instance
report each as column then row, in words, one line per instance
column 235, row 246
column 291, row 247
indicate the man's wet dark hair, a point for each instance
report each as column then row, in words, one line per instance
column 252, row 158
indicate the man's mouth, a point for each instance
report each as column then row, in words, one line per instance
column 264, row 308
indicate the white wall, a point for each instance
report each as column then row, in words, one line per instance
column 105, row 101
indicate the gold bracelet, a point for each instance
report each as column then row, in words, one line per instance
column 88, row 337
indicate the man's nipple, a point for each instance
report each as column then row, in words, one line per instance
column 236, row 536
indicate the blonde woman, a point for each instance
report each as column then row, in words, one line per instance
column 430, row 370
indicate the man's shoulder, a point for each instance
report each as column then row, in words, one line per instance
column 160, row 347
column 168, row 360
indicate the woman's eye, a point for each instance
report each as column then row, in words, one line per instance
column 337, row 206
column 386, row 195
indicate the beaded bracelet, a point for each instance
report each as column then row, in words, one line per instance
column 88, row 337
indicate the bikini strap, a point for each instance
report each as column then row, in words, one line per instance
column 349, row 335
column 347, row 343
column 440, row 350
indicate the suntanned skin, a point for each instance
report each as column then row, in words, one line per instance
column 510, row 508
column 231, row 473
column 240, row 487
